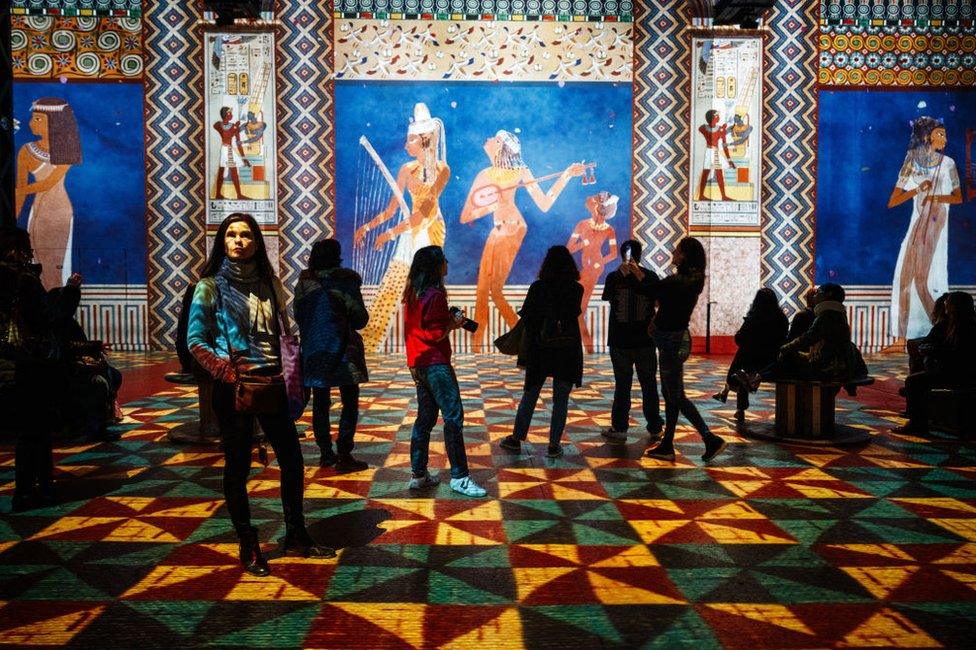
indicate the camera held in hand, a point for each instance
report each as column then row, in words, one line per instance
column 466, row 323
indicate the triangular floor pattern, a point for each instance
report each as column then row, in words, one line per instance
column 767, row 547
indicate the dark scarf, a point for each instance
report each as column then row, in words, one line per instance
column 243, row 272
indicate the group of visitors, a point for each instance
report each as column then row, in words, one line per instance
column 240, row 337
column 816, row 346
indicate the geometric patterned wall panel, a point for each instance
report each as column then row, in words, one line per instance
column 174, row 161
column 789, row 150
column 306, row 152
column 662, row 62
column 483, row 51
column 897, row 43
column 45, row 47
column 528, row 10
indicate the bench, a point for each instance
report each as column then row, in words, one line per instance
column 951, row 410
column 805, row 414
column 205, row 429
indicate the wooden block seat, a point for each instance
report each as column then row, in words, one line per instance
column 205, row 429
column 805, row 414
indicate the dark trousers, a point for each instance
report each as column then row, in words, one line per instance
column 438, row 392
column 236, row 431
column 673, row 387
column 560, row 406
column 625, row 361
column 39, row 391
column 917, row 387
column 348, row 418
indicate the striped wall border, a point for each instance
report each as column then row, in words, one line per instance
column 868, row 312
column 116, row 314
column 463, row 296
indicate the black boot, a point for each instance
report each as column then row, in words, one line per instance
column 251, row 558
column 298, row 542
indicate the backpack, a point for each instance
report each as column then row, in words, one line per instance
column 556, row 331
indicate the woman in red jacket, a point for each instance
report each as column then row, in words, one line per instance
column 427, row 325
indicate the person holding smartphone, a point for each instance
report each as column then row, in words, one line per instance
column 628, row 289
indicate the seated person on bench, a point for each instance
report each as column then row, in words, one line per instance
column 824, row 352
column 916, row 359
column 949, row 362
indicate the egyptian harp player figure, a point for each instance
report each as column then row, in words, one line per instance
column 423, row 178
column 493, row 191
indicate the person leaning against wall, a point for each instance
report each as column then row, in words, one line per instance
column 233, row 333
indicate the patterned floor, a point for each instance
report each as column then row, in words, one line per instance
column 768, row 547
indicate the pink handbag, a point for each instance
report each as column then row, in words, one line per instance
column 291, row 366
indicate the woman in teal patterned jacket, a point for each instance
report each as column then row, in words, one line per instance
column 233, row 328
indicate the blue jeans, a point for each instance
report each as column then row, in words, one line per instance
column 673, row 387
column 526, row 408
column 624, row 361
column 348, row 418
column 437, row 390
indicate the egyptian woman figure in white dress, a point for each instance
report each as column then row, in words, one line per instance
column 48, row 159
column 424, row 179
column 930, row 179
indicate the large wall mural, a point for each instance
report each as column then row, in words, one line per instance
column 496, row 187
column 891, row 221
column 70, row 139
column 241, row 155
column 726, row 116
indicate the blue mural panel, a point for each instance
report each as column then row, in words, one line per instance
column 556, row 124
column 863, row 141
column 106, row 189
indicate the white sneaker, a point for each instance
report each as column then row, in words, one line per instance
column 613, row 434
column 467, row 487
column 425, row 481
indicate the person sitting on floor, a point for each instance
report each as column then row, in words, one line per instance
column 948, row 363
column 759, row 338
column 804, row 318
column 93, row 383
column 329, row 309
